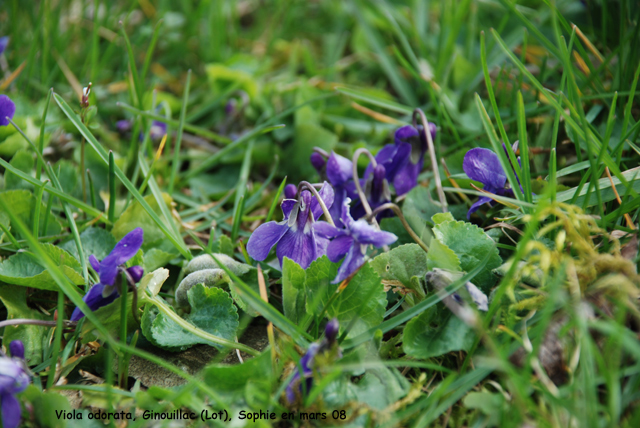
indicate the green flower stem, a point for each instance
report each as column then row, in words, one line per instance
column 10, row 236
column 356, row 179
column 28, row 321
column 432, row 153
column 112, row 188
column 198, row 332
column 39, row 161
column 396, row 209
column 122, row 359
column 92, row 192
column 57, row 341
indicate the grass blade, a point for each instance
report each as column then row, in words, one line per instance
column 175, row 240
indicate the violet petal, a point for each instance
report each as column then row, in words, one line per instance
column 339, row 247
column 11, row 411
column 484, row 166
column 365, row 233
column 352, row 262
column 325, row 230
column 7, row 110
column 95, row 264
column 122, row 252
column 94, row 300
column 339, row 169
column 264, row 238
column 298, row 246
column 476, row 206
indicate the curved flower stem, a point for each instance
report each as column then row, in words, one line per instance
column 22, row 321
column 432, row 153
column 356, row 181
column 396, row 209
column 323, row 152
column 198, row 332
column 325, row 210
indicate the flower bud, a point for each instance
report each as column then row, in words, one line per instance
column 318, row 161
column 230, row 107
column 331, row 330
column 136, row 273
column 17, row 349
column 290, row 191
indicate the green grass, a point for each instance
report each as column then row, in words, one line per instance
column 486, row 73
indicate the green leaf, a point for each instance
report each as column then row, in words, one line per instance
column 95, row 240
column 22, row 160
column 293, row 290
column 407, row 264
column 223, row 245
column 443, row 257
column 69, row 178
column 136, row 216
column 441, row 218
column 248, row 274
column 403, row 264
column 435, row 332
column 212, row 310
column 22, row 204
column 319, row 274
column 361, row 305
column 14, row 299
column 110, row 318
column 418, row 208
column 379, row 388
column 24, row 269
column 156, row 258
column 109, row 315
column 470, row 244
column 308, row 136
column 228, row 379
column 394, row 225
column 47, row 403
column 153, row 281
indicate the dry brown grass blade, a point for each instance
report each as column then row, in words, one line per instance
column 6, row 82
column 374, row 114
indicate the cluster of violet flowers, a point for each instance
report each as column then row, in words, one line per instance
column 14, row 378
column 349, row 205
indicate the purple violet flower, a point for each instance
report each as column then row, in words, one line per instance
column 339, row 172
column 7, row 110
column 376, row 190
column 13, row 379
column 307, row 372
column 403, row 160
column 4, row 41
column 483, row 165
column 294, row 235
column 109, row 269
column 351, row 241
column 158, row 130
column 307, row 361
column 124, row 125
